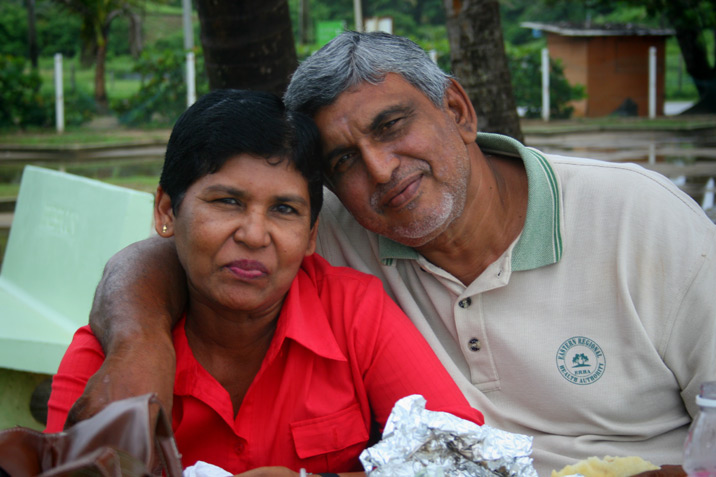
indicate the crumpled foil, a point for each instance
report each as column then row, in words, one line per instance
column 421, row 443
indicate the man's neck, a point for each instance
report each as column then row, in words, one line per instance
column 493, row 218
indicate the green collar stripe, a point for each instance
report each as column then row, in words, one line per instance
column 555, row 202
column 391, row 250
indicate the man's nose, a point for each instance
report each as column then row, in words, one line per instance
column 380, row 162
column 253, row 231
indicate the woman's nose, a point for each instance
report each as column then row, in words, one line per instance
column 252, row 231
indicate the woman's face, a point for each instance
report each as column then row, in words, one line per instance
column 241, row 233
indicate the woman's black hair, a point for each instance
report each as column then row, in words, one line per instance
column 225, row 123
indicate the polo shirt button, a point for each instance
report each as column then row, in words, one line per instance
column 465, row 303
column 474, row 344
column 239, row 447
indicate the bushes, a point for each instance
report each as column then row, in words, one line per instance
column 162, row 96
column 526, row 69
column 21, row 103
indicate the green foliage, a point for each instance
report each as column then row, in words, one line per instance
column 13, row 28
column 56, row 31
column 21, row 103
column 410, row 18
column 526, row 70
column 172, row 41
column 118, row 37
column 514, row 12
column 435, row 39
column 162, row 96
column 79, row 107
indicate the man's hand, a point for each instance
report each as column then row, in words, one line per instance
column 269, row 472
column 146, row 366
column 664, row 471
column 286, row 472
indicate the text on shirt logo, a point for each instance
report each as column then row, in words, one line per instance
column 580, row 360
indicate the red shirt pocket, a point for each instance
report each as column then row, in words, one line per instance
column 336, row 432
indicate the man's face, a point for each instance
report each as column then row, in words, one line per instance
column 398, row 163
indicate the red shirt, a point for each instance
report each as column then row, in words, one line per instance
column 342, row 354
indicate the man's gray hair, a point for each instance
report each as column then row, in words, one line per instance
column 353, row 58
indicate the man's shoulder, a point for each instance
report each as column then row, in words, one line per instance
column 621, row 181
column 328, row 277
column 343, row 241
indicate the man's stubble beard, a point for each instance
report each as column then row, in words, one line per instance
column 425, row 229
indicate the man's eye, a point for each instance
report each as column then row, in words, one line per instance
column 389, row 125
column 343, row 163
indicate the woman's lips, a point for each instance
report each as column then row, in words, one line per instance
column 248, row 269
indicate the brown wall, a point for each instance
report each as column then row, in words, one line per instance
column 612, row 69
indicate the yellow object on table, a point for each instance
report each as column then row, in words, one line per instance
column 607, row 467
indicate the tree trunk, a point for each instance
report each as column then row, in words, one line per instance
column 247, row 44
column 100, row 90
column 303, row 21
column 32, row 33
column 136, row 42
column 477, row 53
column 695, row 53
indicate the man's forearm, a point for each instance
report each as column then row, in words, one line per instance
column 141, row 294
column 140, row 297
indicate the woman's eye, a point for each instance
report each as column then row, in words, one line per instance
column 227, row 201
column 286, row 209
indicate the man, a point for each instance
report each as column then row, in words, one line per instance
column 571, row 300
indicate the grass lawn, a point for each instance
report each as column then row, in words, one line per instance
column 82, row 136
column 120, row 82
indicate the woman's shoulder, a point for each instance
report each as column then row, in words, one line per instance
column 351, row 297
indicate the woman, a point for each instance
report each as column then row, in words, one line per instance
column 282, row 359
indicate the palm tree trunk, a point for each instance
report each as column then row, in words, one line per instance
column 32, row 33
column 477, row 53
column 247, row 44
column 100, row 90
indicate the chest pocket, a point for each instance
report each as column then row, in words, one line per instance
column 332, row 433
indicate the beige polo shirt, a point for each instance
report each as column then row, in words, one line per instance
column 592, row 332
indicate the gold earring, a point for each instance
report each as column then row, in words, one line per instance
column 164, row 228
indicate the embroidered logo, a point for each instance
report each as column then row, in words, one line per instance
column 580, row 360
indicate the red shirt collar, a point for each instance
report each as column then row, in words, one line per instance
column 302, row 319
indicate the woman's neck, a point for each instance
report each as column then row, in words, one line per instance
column 230, row 346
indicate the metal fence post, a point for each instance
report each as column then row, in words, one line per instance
column 59, row 94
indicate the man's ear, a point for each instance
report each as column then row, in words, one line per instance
column 458, row 104
column 163, row 214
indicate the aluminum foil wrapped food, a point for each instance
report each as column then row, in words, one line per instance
column 421, row 443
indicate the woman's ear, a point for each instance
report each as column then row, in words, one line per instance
column 458, row 104
column 163, row 214
column 312, row 239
